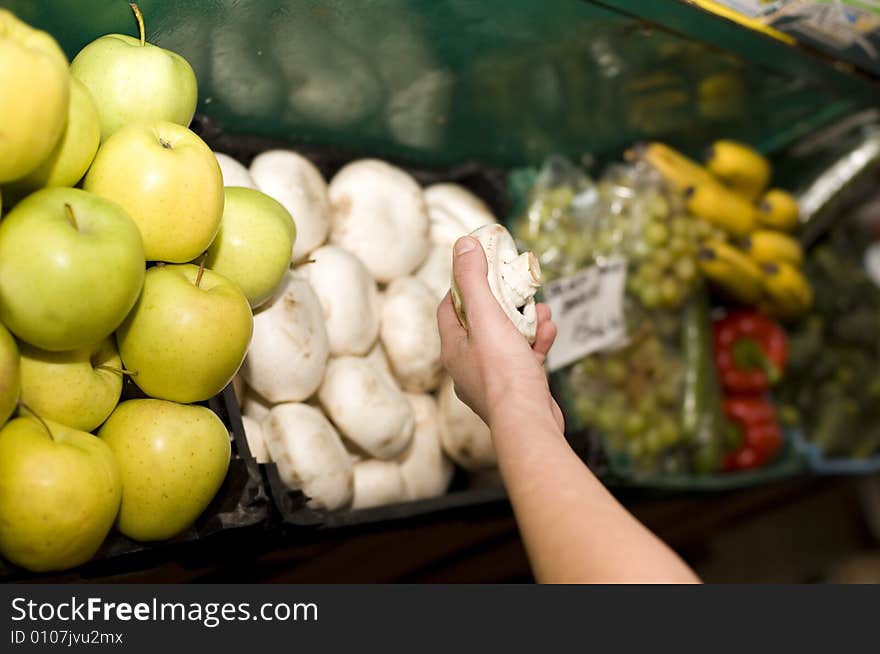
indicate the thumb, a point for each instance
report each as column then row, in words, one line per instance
column 470, row 269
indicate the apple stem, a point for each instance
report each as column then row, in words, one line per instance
column 37, row 417
column 118, row 371
column 139, row 17
column 201, row 268
column 70, row 215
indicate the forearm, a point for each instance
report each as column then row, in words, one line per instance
column 573, row 528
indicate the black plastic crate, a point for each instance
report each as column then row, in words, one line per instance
column 487, row 182
column 242, row 502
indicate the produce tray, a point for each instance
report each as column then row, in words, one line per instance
column 488, row 183
column 819, row 464
column 790, row 463
column 242, row 502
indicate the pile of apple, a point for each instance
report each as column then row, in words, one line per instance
column 343, row 387
column 150, row 269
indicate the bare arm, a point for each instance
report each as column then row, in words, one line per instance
column 573, row 528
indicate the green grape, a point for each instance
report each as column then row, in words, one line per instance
column 704, row 230
column 585, row 408
column 670, row 292
column 658, row 206
column 656, row 234
column 668, row 393
column 653, row 440
column 681, row 227
column 678, row 247
column 650, row 297
column 664, row 258
column 636, row 448
column 668, row 431
column 615, row 371
column 609, row 419
column 634, row 284
column 647, row 406
column 634, row 424
column 686, row 269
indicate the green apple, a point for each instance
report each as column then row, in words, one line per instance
column 78, row 388
column 74, row 151
column 172, row 458
column 187, row 335
column 71, row 268
column 35, row 93
column 254, row 244
column 59, row 494
column 168, row 181
column 133, row 81
column 10, row 376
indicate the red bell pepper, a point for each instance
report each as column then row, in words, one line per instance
column 750, row 352
column 761, row 441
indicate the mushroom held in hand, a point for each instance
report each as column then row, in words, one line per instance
column 514, row 279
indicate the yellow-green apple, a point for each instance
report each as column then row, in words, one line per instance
column 173, row 459
column 134, row 81
column 72, row 155
column 187, row 335
column 10, row 377
column 71, row 268
column 35, row 93
column 254, row 243
column 78, row 388
column 59, row 494
column 168, row 181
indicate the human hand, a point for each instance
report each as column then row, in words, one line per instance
column 491, row 363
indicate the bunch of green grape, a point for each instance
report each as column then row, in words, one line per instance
column 648, row 224
column 632, row 397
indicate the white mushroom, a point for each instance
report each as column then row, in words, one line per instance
column 377, row 483
column 309, row 454
column 368, row 410
column 289, row 349
column 234, row 172
column 445, row 228
column 379, row 359
column 437, row 270
column 253, row 406
column 410, row 335
column 463, row 434
column 379, row 214
column 513, row 278
column 349, row 299
column 294, row 181
column 425, row 469
column 460, row 203
column 256, row 444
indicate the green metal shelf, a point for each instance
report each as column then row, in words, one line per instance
column 503, row 81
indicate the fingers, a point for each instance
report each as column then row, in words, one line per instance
column 470, row 270
column 447, row 321
column 546, row 332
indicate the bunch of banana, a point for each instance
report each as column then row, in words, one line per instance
column 757, row 263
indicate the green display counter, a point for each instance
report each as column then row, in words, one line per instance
column 502, row 81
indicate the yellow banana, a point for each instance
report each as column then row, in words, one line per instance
column 739, row 166
column 778, row 209
column 722, row 207
column 677, row 170
column 732, row 270
column 787, row 291
column 769, row 246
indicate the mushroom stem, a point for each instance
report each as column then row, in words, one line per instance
column 523, row 277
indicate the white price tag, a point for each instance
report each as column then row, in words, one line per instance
column 588, row 310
